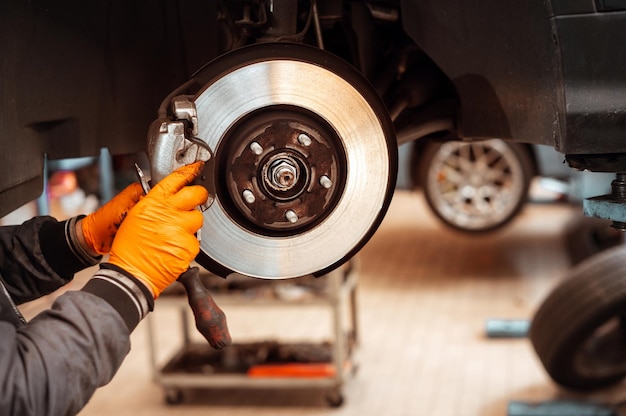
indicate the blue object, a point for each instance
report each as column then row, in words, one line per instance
column 560, row 408
column 507, row 328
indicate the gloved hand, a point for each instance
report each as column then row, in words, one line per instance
column 98, row 229
column 156, row 241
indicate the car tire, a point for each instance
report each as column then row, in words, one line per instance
column 579, row 331
column 476, row 186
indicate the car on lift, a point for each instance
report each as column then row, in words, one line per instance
column 481, row 186
column 301, row 106
column 473, row 187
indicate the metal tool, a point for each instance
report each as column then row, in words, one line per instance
column 210, row 319
column 145, row 184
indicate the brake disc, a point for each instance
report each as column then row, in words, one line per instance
column 304, row 161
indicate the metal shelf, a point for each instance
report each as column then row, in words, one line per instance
column 196, row 366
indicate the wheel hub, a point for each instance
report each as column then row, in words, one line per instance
column 282, row 174
column 280, row 165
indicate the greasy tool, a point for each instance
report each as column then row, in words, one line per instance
column 210, row 319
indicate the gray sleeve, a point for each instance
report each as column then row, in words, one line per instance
column 53, row 364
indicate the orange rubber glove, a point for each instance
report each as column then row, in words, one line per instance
column 156, row 241
column 100, row 227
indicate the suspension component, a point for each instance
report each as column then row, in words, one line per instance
column 611, row 206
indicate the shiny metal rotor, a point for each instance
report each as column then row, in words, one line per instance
column 303, row 171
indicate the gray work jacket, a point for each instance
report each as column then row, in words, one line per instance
column 53, row 364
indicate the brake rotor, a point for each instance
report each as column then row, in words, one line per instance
column 305, row 161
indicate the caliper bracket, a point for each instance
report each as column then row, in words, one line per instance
column 172, row 142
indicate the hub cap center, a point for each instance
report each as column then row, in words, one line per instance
column 282, row 173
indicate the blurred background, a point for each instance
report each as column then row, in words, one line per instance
column 409, row 316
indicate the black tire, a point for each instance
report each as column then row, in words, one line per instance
column 578, row 331
column 505, row 178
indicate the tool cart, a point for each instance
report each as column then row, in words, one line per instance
column 325, row 365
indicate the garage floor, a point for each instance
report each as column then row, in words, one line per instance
column 425, row 294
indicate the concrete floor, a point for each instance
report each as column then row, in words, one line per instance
column 425, row 294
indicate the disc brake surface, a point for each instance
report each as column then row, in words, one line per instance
column 303, row 164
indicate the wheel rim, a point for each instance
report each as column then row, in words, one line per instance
column 475, row 186
column 302, row 175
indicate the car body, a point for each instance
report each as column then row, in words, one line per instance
column 539, row 71
column 77, row 77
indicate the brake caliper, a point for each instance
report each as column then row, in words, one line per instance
column 172, row 141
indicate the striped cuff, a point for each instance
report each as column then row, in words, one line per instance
column 72, row 241
column 61, row 249
column 129, row 297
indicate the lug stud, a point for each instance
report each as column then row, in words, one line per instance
column 249, row 196
column 291, row 216
column 256, row 148
column 304, row 140
column 326, row 182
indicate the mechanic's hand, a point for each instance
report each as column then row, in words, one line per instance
column 156, row 241
column 98, row 229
